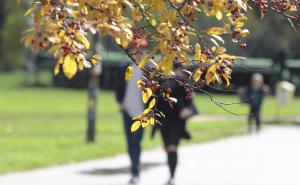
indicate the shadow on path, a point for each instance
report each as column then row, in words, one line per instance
column 120, row 170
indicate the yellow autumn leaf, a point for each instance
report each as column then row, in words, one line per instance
column 198, row 54
column 69, row 66
column 227, row 79
column 82, row 62
column 227, row 26
column 152, row 103
column 218, row 50
column 118, row 40
column 146, row 111
column 123, row 42
column 80, row 66
column 144, row 61
column 136, row 117
column 244, row 33
column 152, row 121
column 240, row 19
column 159, row 5
column 219, row 15
column 211, row 74
column 145, row 123
column 217, row 78
column 231, row 57
column 140, row 83
column 135, row 14
column 239, row 24
column 135, row 126
column 30, row 10
column 56, row 69
column 293, row 8
column 80, row 37
column 84, row 10
column 166, row 63
column 95, row 59
column 216, row 31
column 123, row 37
column 219, row 38
column 128, row 73
column 197, row 75
column 177, row 1
column 171, row 17
column 183, row 56
column 146, row 94
column 61, row 60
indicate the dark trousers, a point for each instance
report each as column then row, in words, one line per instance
column 133, row 144
column 254, row 114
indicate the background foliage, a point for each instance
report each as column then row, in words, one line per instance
column 12, row 22
column 263, row 42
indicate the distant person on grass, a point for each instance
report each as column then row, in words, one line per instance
column 128, row 96
column 256, row 93
column 279, row 60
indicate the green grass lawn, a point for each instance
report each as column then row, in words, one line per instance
column 46, row 126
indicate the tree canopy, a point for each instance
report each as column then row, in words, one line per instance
column 174, row 29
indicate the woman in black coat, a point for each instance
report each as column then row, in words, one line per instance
column 174, row 124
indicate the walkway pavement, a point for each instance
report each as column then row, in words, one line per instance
column 269, row 158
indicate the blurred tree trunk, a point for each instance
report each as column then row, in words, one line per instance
column 2, row 21
column 93, row 89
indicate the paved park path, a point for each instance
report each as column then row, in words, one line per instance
column 269, row 158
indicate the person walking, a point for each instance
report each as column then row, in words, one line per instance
column 128, row 96
column 279, row 61
column 256, row 93
column 173, row 127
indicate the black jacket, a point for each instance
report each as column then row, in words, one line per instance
column 120, row 83
column 178, row 92
column 255, row 97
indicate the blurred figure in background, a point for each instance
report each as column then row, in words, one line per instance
column 256, row 93
column 2, row 24
column 279, row 61
column 128, row 96
column 174, row 124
